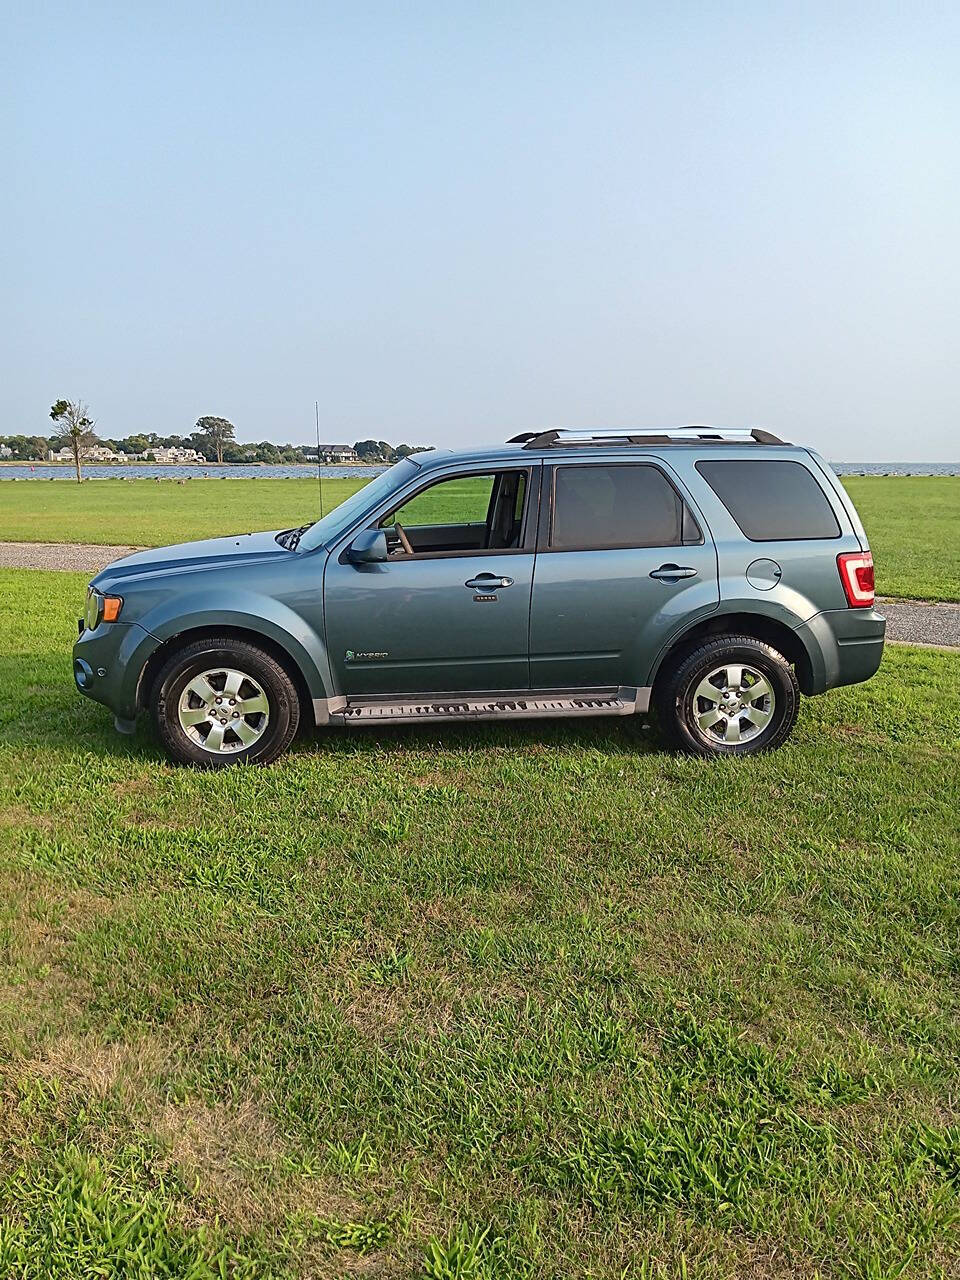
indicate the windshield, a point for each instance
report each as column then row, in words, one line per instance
column 335, row 522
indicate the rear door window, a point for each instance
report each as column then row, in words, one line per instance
column 616, row 505
column 771, row 500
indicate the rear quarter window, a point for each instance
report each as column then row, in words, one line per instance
column 771, row 500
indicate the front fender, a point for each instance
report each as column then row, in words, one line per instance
column 248, row 611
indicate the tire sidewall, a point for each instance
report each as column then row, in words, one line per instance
column 761, row 658
column 199, row 657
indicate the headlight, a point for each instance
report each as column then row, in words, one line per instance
column 100, row 608
column 91, row 614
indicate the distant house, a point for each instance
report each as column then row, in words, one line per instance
column 333, row 453
column 5, row 451
column 96, row 453
column 172, row 454
column 177, row 454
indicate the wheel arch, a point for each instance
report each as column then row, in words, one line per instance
column 761, row 626
column 167, row 648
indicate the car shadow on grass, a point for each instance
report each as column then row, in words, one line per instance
column 609, row 734
column 40, row 708
column 56, row 718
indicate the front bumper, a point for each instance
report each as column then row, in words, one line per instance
column 845, row 646
column 107, row 663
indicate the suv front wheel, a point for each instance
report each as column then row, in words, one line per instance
column 220, row 701
column 734, row 695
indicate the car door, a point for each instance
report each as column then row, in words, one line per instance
column 623, row 564
column 448, row 611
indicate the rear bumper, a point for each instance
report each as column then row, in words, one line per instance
column 107, row 663
column 845, row 646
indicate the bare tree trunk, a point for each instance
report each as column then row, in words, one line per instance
column 75, row 443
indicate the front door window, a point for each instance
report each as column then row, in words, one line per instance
column 460, row 514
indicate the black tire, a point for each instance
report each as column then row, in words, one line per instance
column 680, row 710
column 264, row 679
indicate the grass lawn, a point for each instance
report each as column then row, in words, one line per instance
column 151, row 513
column 913, row 522
column 477, row 1002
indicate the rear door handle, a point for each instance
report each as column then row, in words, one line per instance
column 488, row 582
column 673, row 573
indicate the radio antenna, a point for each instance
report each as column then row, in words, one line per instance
column 319, row 467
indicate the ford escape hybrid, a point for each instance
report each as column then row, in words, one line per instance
column 713, row 575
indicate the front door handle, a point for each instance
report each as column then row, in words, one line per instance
column 673, row 573
column 488, row 582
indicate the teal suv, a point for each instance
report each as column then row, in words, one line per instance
column 713, row 575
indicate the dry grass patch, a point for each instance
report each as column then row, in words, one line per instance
column 428, row 1003
column 75, row 1076
column 17, row 816
column 37, row 924
column 241, row 1170
column 84, row 1065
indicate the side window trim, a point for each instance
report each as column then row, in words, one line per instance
column 548, row 503
column 527, row 540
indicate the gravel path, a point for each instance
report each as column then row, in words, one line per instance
column 918, row 622
column 77, row 556
column 908, row 621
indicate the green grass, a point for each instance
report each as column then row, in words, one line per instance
column 153, row 513
column 913, row 522
column 519, row 1002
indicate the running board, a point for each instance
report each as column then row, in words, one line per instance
column 606, row 702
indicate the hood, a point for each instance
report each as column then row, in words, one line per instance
column 211, row 553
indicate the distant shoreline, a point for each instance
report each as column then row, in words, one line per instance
column 11, row 470
column 199, row 466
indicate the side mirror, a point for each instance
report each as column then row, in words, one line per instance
column 368, row 547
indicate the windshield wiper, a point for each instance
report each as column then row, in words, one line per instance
column 290, row 538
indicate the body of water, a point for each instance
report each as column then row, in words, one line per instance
column 240, row 471
column 896, row 468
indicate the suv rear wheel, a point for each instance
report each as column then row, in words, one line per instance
column 220, row 701
column 734, row 695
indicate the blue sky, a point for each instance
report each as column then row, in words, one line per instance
column 451, row 222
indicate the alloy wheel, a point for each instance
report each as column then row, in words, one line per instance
column 223, row 710
column 733, row 704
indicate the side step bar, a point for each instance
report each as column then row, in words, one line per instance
column 582, row 702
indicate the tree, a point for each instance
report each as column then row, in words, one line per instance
column 135, row 444
column 217, row 432
column 73, row 418
column 26, row 448
column 373, row 450
column 201, row 442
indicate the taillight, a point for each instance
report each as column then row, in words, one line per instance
column 856, row 574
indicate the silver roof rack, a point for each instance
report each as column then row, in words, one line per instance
column 563, row 438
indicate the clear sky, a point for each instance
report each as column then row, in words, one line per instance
column 449, row 222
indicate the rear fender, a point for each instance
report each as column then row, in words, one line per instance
column 808, row 648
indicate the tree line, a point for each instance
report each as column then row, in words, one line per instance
column 213, row 438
